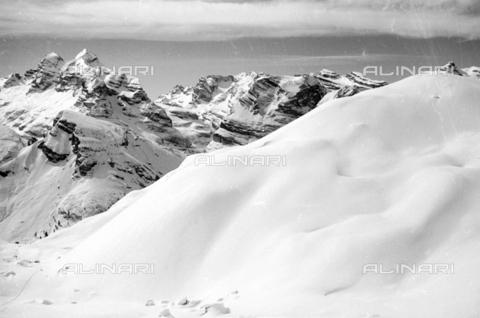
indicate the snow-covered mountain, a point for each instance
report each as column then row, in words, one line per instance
column 82, row 138
column 10, row 144
column 14, row 79
column 388, row 177
column 452, row 69
column 222, row 111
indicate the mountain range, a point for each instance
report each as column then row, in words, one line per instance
column 80, row 137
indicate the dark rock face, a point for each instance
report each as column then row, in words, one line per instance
column 64, row 125
column 234, row 133
column 156, row 114
column 51, row 155
column 57, row 145
column 305, row 100
column 29, row 74
column 84, row 165
column 270, row 103
column 4, row 173
column 11, row 80
column 95, row 97
column 329, row 79
column 334, row 81
column 207, row 87
column 451, row 68
column 362, row 81
column 347, row 91
column 260, row 95
column 32, row 140
column 47, row 73
column 182, row 113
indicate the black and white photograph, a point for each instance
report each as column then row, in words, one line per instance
column 239, row 158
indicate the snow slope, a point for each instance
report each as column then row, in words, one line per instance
column 80, row 169
column 10, row 144
column 388, row 176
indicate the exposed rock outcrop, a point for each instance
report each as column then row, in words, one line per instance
column 47, row 73
column 270, row 103
column 234, row 110
column 452, row 69
column 335, row 81
column 59, row 141
column 208, row 87
column 11, row 80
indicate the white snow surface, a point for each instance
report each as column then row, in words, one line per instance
column 10, row 144
column 388, row 176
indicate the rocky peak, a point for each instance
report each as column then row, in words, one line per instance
column 88, row 58
column 85, row 65
column 347, row 91
column 47, row 73
column 11, row 80
column 99, row 91
column 452, row 69
column 208, row 87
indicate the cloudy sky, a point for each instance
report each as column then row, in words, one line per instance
column 183, row 40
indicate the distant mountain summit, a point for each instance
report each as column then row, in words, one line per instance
column 451, row 68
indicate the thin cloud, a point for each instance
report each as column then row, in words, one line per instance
column 181, row 20
column 326, row 60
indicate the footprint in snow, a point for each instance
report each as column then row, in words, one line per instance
column 215, row 309
column 43, row 302
column 6, row 274
column 24, row 263
column 166, row 313
column 186, row 303
column 186, row 306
